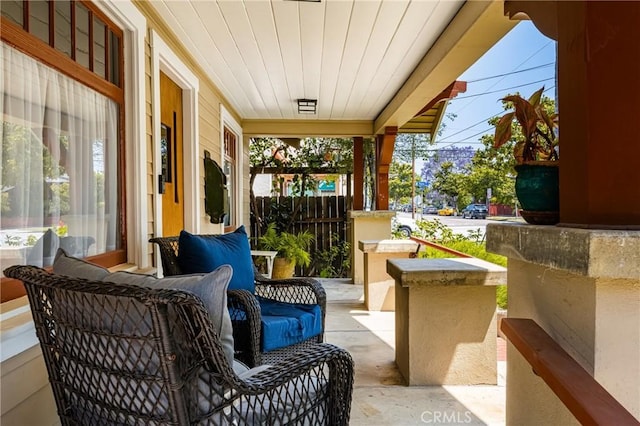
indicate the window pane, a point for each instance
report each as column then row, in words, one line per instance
column 114, row 59
column 82, row 35
column 63, row 26
column 165, row 152
column 230, row 173
column 59, row 165
column 13, row 11
column 39, row 19
column 99, row 50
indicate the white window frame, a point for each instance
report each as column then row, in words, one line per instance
column 227, row 120
column 18, row 332
column 134, row 25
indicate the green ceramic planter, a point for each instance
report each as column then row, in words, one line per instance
column 537, row 189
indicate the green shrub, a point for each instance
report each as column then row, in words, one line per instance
column 501, row 296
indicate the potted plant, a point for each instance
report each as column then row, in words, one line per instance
column 536, row 155
column 293, row 249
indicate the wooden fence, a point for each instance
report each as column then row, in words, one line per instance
column 324, row 217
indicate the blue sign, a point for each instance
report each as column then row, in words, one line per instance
column 327, row 186
column 422, row 185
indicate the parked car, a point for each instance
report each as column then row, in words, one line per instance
column 429, row 210
column 405, row 225
column 447, row 211
column 475, row 211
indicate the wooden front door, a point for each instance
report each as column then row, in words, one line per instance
column 171, row 156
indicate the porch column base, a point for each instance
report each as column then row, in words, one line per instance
column 583, row 288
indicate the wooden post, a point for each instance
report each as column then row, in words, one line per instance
column 598, row 89
column 384, row 152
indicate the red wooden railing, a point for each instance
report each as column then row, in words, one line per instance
column 439, row 247
column 587, row 400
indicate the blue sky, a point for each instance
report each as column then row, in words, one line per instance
column 524, row 47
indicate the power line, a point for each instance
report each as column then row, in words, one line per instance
column 502, row 90
column 510, row 73
column 472, row 136
column 474, row 125
column 522, row 63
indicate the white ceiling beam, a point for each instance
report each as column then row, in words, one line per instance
column 307, row 128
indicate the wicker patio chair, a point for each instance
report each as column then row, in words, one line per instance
column 123, row 354
column 245, row 309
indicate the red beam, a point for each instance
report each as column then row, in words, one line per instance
column 450, row 92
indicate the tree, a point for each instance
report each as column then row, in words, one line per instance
column 483, row 177
column 399, row 175
column 408, row 147
column 451, row 184
column 458, row 157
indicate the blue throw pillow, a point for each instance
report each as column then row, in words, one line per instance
column 199, row 254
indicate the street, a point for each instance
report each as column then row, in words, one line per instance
column 456, row 223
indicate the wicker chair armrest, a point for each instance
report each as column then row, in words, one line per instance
column 298, row 363
column 282, row 383
column 247, row 339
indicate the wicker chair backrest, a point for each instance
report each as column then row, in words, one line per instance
column 120, row 354
column 169, row 247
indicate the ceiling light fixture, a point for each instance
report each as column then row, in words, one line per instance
column 307, row 106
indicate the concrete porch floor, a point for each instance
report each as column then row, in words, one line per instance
column 379, row 396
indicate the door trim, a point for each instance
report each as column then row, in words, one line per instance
column 165, row 60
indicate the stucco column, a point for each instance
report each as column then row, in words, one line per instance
column 366, row 225
column 583, row 288
column 446, row 320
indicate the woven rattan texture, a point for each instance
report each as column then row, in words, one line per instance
column 120, row 354
column 245, row 310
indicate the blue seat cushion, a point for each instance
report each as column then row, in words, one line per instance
column 197, row 255
column 285, row 324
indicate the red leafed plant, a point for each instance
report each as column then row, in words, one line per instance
column 538, row 140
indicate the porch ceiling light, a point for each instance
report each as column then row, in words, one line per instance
column 307, row 106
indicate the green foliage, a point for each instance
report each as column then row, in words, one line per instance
column 400, row 181
column 339, row 253
column 436, row 231
column 290, row 246
column 450, row 184
column 410, row 146
column 472, row 244
column 61, row 230
column 475, row 249
column 482, row 177
column 501, row 296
